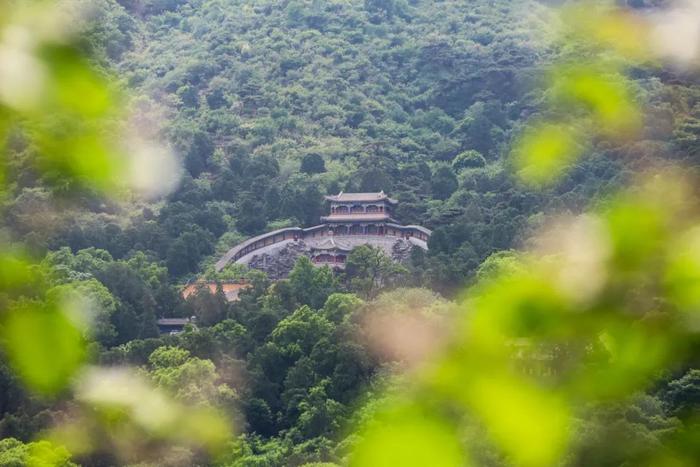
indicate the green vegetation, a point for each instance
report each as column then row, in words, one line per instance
column 141, row 139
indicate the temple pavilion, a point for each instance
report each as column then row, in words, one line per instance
column 353, row 219
column 359, row 213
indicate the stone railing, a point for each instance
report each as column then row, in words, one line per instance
column 415, row 231
column 252, row 244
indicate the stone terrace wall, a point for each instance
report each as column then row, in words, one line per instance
column 297, row 233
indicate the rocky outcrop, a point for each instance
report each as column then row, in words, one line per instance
column 401, row 250
column 277, row 264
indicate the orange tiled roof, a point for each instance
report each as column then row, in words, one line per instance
column 231, row 290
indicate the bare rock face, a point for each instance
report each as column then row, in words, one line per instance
column 401, row 250
column 277, row 265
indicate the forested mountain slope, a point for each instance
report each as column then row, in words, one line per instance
column 420, row 99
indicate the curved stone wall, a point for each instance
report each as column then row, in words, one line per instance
column 297, row 233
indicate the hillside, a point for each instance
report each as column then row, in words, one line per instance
column 420, row 101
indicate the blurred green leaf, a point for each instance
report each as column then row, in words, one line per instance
column 75, row 85
column 205, row 428
column 15, row 271
column 127, row 409
column 516, row 306
column 606, row 95
column 544, row 152
column 44, row 345
column 46, row 454
column 406, row 437
column 682, row 277
column 59, row 100
column 608, row 28
column 633, row 356
column 636, row 230
column 83, row 158
column 529, row 423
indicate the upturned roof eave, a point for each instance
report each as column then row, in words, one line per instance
column 355, row 218
column 369, row 198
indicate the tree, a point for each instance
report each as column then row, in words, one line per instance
column 134, row 316
column 476, row 127
column 311, row 285
column 302, row 329
column 209, row 308
column 197, row 148
column 189, row 379
column 303, row 200
column 385, row 115
column 319, row 414
column 14, row 453
column 368, row 269
column 339, row 306
column 498, row 264
column 443, row 182
column 98, row 305
column 249, row 219
column 188, row 96
column 381, row 7
column 468, row 160
column 232, row 338
column 373, row 178
column 153, row 273
column 682, row 395
column 313, row 163
column 259, row 417
column 187, row 250
column 273, row 202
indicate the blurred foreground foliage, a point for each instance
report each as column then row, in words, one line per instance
column 602, row 312
column 554, row 351
column 66, row 114
column 54, row 101
column 589, row 92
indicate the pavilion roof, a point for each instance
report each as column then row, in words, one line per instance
column 361, row 197
column 360, row 216
column 173, row 321
column 332, row 244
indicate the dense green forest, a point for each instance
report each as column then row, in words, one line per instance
column 420, row 100
column 268, row 105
